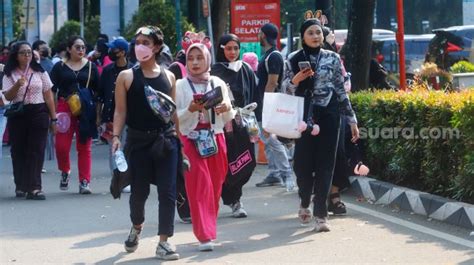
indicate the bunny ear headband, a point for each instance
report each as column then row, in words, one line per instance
column 190, row 38
column 318, row 14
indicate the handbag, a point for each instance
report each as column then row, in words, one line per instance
column 205, row 142
column 246, row 118
column 17, row 109
column 74, row 101
column 282, row 114
column 161, row 104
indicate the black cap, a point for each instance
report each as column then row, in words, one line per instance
column 271, row 33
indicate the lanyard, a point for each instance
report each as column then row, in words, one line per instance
column 213, row 114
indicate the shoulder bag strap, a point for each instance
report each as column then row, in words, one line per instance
column 28, row 86
column 89, row 76
column 191, row 85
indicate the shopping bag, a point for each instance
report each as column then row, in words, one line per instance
column 240, row 155
column 282, row 114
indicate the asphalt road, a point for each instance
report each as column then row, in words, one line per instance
column 69, row 228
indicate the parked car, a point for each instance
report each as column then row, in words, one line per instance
column 416, row 47
column 341, row 35
column 451, row 45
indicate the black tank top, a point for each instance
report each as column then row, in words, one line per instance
column 139, row 114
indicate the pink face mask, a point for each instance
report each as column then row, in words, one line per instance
column 143, row 53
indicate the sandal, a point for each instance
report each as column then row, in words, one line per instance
column 304, row 214
column 38, row 196
column 338, row 207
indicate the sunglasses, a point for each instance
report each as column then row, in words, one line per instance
column 79, row 47
column 25, row 53
column 147, row 31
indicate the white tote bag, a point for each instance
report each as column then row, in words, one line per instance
column 282, row 114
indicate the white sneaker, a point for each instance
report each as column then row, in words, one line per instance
column 321, row 225
column 238, row 210
column 166, row 251
column 206, row 246
column 305, row 216
column 127, row 189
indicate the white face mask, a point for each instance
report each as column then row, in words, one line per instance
column 235, row 66
column 143, row 53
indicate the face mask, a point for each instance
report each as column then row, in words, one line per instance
column 143, row 53
column 113, row 56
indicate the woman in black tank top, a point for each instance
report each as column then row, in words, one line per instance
column 152, row 148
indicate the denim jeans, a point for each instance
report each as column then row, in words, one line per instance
column 277, row 156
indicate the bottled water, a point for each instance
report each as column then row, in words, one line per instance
column 120, row 161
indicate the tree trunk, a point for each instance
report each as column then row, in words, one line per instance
column 220, row 16
column 359, row 42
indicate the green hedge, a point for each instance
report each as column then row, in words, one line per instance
column 439, row 165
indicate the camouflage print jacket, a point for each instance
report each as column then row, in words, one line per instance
column 319, row 89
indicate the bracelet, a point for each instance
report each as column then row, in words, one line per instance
column 116, row 135
column 54, row 120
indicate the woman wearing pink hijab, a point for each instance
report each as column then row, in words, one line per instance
column 203, row 141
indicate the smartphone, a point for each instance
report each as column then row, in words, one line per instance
column 198, row 98
column 304, row 65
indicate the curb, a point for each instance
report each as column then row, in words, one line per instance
column 421, row 203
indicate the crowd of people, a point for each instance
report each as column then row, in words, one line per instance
column 189, row 151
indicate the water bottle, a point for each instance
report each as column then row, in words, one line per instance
column 120, row 161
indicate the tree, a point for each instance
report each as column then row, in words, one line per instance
column 220, row 14
column 161, row 14
column 69, row 29
column 357, row 50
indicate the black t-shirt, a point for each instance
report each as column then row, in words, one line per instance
column 65, row 79
column 275, row 66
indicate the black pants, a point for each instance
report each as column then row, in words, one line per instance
column 342, row 170
column 146, row 169
column 315, row 158
column 28, row 135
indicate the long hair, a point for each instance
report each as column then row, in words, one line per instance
column 12, row 62
column 220, row 56
column 70, row 43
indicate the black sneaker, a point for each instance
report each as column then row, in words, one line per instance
column 131, row 244
column 63, row 184
column 270, row 181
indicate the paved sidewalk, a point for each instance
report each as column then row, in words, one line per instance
column 69, row 228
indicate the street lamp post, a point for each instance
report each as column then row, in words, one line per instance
column 81, row 18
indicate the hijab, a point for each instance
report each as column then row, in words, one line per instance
column 308, row 23
column 202, row 78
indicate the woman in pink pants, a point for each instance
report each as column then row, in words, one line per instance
column 199, row 125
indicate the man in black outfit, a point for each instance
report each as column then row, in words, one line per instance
column 118, row 50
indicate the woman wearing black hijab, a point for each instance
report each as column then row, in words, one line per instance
column 322, row 86
column 241, row 80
